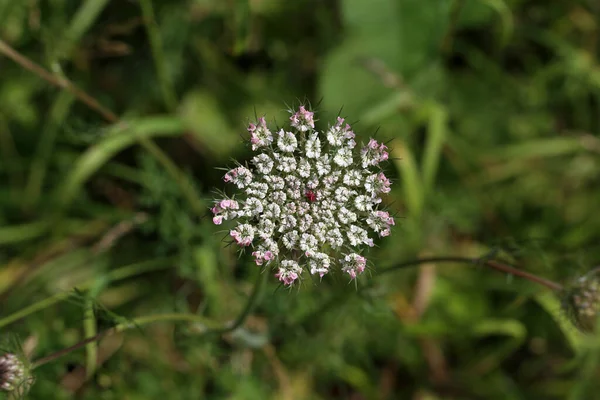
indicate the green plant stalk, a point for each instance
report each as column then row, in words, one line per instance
column 85, row 16
column 119, row 137
column 11, row 159
column 506, row 19
column 40, row 305
column 412, row 182
column 113, row 276
column 587, row 374
column 552, row 305
column 23, row 232
column 455, row 10
column 436, row 136
column 208, row 325
column 39, row 166
column 181, row 179
column 78, row 234
column 109, row 116
column 57, row 81
column 253, row 300
column 90, row 330
column 87, row 13
column 124, row 172
column 158, row 55
column 134, row 323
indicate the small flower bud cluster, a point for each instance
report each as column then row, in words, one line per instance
column 12, row 372
column 308, row 201
column 582, row 301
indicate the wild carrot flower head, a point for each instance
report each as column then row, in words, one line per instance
column 308, row 200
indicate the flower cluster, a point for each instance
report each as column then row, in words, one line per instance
column 308, row 200
column 12, row 372
column 582, row 301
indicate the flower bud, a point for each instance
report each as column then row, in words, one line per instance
column 14, row 374
column 582, row 301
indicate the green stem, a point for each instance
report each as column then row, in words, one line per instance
column 57, row 81
column 86, row 15
column 23, row 232
column 134, row 323
column 90, row 329
column 180, row 178
column 40, row 305
column 45, row 148
column 158, row 54
column 208, row 325
column 109, row 116
column 455, row 9
column 253, row 300
column 113, row 276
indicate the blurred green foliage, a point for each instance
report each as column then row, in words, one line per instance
column 492, row 108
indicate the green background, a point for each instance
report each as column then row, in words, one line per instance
column 493, row 112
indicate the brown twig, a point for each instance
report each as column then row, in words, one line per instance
column 78, row 345
column 147, row 144
column 63, row 83
column 483, row 262
column 117, row 232
column 523, row 274
column 449, row 259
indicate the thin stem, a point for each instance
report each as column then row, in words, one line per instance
column 107, row 241
column 112, row 276
column 57, row 81
column 158, row 54
column 209, row 325
column 40, row 305
column 67, row 350
column 23, row 232
column 477, row 261
column 134, row 323
column 63, row 83
column 45, row 148
column 250, row 305
column 525, row 275
column 90, row 329
column 177, row 174
column 449, row 259
column 455, row 9
column 52, row 252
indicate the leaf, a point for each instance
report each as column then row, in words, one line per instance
column 119, row 137
column 201, row 113
column 436, row 136
column 515, row 332
column 412, row 184
column 540, row 148
column 87, row 13
column 403, row 36
column 506, row 19
column 549, row 302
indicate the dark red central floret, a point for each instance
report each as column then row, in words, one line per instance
column 310, row 196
